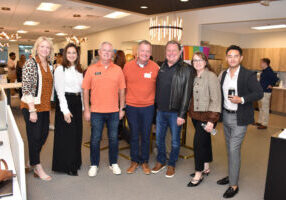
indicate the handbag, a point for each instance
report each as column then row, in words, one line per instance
column 5, row 174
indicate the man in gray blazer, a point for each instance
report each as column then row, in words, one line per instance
column 240, row 89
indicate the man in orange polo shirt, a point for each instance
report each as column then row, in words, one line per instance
column 107, row 84
column 140, row 75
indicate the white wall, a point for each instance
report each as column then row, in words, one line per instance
column 264, row 40
column 192, row 24
column 220, row 38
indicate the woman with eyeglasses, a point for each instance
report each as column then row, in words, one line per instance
column 205, row 108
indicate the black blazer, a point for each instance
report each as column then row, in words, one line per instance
column 249, row 88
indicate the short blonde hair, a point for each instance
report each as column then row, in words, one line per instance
column 50, row 57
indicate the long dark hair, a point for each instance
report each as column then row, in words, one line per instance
column 120, row 59
column 66, row 63
column 204, row 57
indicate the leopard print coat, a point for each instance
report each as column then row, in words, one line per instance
column 32, row 82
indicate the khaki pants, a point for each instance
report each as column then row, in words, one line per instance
column 264, row 105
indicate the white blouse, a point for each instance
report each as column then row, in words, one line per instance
column 68, row 80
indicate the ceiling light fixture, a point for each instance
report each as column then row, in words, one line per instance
column 49, row 7
column 269, row 27
column 116, row 15
column 5, row 8
column 22, row 31
column 184, row 0
column 7, row 36
column 31, row 23
column 166, row 28
column 80, row 27
column 265, row 2
column 4, row 45
column 76, row 40
column 143, row 7
column 61, row 34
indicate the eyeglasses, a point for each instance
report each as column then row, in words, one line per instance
column 198, row 61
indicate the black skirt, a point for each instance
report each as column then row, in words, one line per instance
column 68, row 137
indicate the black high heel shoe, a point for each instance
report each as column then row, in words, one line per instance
column 194, row 183
column 205, row 173
column 72, row 173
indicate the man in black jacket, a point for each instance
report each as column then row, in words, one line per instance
column 240, row 89
column 173, row 92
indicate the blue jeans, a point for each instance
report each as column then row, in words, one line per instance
column 140, row 122
column 97, row 123
column 163, row 121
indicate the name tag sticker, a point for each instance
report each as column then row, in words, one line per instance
column 97, row 73
column 147, row 75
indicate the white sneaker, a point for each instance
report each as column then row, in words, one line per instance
column 115, row 169
column 92, row 171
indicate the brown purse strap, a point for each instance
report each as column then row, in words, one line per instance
column 4, row 162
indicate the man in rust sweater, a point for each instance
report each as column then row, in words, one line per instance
column 140, row 75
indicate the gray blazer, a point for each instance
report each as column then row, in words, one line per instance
column 207, row 93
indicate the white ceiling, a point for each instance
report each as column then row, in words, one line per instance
column 245, row 27
column 61, row 20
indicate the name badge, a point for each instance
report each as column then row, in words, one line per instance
column 147, row 75
column 97, row 73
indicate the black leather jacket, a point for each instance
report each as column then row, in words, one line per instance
column 181, row 87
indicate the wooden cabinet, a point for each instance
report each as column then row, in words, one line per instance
column 252, row 58
column 278, row 100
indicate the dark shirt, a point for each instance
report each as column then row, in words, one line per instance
column 164, row 82
column 268, row 77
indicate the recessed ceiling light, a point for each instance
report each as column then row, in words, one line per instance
column 81, row 27
column 76, row 15
column 184, row 0
column 50, row 7
column 61, row 34
column 116, row 15
column 5, row 8
column 269, row 27
column 22, row 31
column 143, row 7
column 31, row 23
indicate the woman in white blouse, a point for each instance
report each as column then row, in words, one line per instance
column 68, row 116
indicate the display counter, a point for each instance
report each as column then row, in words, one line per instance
column 276, row 176
column 278, row 100
column 12, row 149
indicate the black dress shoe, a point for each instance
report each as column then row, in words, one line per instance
column 230, row 192
column 197, row 182
column 72, row 173
column 223, row 181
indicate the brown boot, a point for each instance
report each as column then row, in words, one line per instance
column 132, row 168
column 170, row 172
column 146, row 168
column 158, row 167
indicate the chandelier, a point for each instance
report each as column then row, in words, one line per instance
column 11, row 37
column 4, row 45
column 171, row 29
column 76, row 40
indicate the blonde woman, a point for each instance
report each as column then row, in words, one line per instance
column 37, row 91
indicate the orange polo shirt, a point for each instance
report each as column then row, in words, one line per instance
column 141, row 83
column 104, row 84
